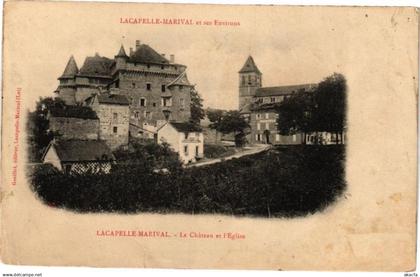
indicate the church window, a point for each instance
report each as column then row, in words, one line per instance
column 148, row 86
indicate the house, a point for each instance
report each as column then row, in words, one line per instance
column 184, row 138
column 257, row 105
column 73, row 122
column 114, row 116
column 157, row 88
column 79, row 156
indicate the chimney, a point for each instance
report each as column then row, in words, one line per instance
column 131, row 51
column 137, row 44
column 172, row 58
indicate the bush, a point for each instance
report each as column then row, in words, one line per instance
column 212, row 151
column 286, row 181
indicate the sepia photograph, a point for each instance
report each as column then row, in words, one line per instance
column 201, row 136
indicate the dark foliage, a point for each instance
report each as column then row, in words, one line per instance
column 39, row 135
column 283, row 182
column 197, row 111
column 217, row 151
column 320, row 110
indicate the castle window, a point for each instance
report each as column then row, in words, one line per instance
column 136, row 114
column 273, row 99
column 267, row 126
column 258, row 137
column 148, row 86
column 154, row 104
column 166, row 102
column 115, row 116
column 117, row 84
column 142, row 102
column 258, row 126
column 258, row 116
column 277, row 137
column 249, row 79
column 162, row 67
column 148, row 65
column 266, row 115
column 133, row 85
column 163, row 88
column 186, row 150
column 115, row 129
column 181, row 87
column 182, row 103
column 147, row 115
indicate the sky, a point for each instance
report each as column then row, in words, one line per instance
column 286, row 49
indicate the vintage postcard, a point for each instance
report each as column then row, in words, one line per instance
column 209, row 136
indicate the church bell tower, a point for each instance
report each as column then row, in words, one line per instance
column 250, row 79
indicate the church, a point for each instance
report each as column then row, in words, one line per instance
column 257, row 105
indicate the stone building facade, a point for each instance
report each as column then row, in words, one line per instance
column 114, row 116
column 157, row 89
column 74, row 122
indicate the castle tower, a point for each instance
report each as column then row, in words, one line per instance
column 66, row 89
column 121, row 58
column 250, row 79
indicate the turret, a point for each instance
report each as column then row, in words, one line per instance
column 121, row 58
column 250, row 79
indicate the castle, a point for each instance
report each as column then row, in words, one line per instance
column 257, row 105
column 157, row 89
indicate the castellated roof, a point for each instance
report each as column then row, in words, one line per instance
column 249, row 66
column 96, row 66
column 71, row 69
column 146, row 54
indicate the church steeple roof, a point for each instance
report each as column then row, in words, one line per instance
column 249, row 66
column 122, row 53
column 71, row 69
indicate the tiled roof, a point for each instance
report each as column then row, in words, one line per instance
column 186, row 127
column 96, row 66
column 71, row 69
column 82, row 150
column 249, row 66
column 282, row 90
column 74, row 112
column 116, row 99
column 146, row 54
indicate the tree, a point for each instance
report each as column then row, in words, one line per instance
column 295, row 114
column 330, row 99
column 320, row 110
column 38, row 126
column 233, row 122
column 215, row 117
column 197, row 111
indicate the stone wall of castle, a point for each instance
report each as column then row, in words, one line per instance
column 74, row 128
